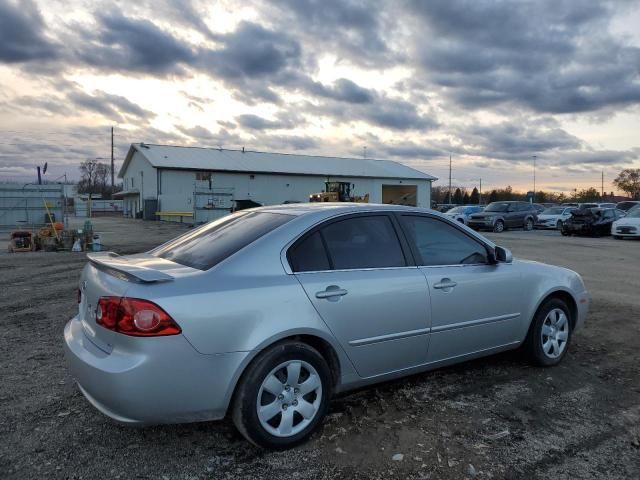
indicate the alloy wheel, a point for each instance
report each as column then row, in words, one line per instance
column 289, row 398
column 555, row 333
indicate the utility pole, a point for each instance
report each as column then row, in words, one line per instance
column 480, row 194
column 449, row 178
column 602, row 186
column 112, row 183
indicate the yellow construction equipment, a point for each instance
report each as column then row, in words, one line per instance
column 338, row 192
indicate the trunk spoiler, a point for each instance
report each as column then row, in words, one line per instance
column 120, row 267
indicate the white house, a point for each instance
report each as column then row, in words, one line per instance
column 204, row 183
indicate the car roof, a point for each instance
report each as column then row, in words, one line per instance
column 335, row 207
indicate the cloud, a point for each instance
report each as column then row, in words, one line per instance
column 255, row 122
column 351, row 29
column 114, row 107
column 22, row 37
column 343, row 90
column 127, row 44
column 547, row 56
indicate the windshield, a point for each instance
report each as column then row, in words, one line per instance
column 553, row 211
column 497, row 207
column 634, row 212
column 456, row 210
column 208, row 245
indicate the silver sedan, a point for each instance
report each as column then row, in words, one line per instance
column 267, row 313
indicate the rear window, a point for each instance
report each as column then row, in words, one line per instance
column 209, row 244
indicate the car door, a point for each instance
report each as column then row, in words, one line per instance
column 513, row 216
column 475, row 305
column 362, row 282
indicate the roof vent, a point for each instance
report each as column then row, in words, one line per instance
column 144, row 146
column 242, row 149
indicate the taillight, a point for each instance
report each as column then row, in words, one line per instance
column 134, row 316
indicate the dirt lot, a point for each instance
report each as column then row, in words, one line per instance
column 493, row 418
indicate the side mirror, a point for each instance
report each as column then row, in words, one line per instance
column 503, row 255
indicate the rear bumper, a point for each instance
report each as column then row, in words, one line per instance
column 161, row 380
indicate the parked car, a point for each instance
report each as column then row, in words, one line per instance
column 266, row 313
column 498, row 216
column 539, row 208
column 462, row 212
column 627, row 226
column 626, row 206
column 554, row 217
column 591, row 221
column 445, row 207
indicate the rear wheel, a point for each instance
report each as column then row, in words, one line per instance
column 528, row 224
column 499, row 226
column 549, row 334
column 282, row 396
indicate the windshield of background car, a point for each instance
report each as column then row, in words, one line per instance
column 456, row 210
column 211, row 243
column 633, row 213
column 497, row 207
column 553, row 211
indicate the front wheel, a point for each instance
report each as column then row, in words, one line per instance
column 617, row 237
column 559, row 225
column 283, row 396
column 549, row 334
column 565, row 233
column 499, row 226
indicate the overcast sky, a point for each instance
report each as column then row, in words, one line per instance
column 493, row 83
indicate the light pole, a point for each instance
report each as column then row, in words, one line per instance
column 534, row 177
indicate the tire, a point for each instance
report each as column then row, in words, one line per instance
column 617, row 237
column 554, row 317
column 565, row 233
column 559, row 225
column 254, row 389
column 498, row 227
column 528, row 224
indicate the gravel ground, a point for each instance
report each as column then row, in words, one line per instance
column 496, row 417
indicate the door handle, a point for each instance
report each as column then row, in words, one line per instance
column 332, row 291
column 444, row 284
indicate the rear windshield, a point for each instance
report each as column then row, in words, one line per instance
column 209, row 244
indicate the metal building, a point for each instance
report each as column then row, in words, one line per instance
column 199, row 184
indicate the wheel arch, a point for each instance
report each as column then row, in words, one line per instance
column 562, row 294
column 318, row 340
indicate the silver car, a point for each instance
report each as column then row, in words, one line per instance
column 267, row 313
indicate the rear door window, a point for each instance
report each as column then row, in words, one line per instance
column 363, row 242
column 309, row 255
column 211, row 243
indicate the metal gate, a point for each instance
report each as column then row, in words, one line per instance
column 24, row 205
column 211, row 204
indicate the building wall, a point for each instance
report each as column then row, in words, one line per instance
column 177, row 187
column 141, row 176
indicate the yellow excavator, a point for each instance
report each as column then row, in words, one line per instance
column 338, row 192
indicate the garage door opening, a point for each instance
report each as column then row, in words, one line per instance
column 400, row 195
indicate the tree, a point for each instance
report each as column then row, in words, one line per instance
column 628, row 180
column 493, row 196
column 465, row 198
column 588, row 195
column 457, row 197
column 474, row 199
column 94, row 179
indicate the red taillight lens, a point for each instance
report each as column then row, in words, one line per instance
column 134, row 316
